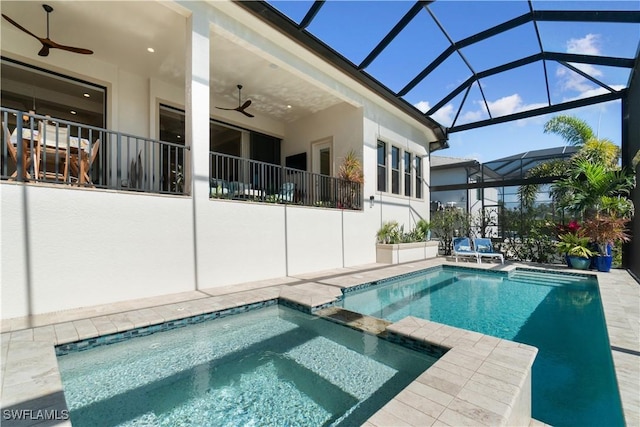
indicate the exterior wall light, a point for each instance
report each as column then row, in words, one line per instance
column 371, row 199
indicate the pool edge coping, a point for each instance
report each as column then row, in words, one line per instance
column 618, row 286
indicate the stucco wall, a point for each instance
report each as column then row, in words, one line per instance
column 65, row 248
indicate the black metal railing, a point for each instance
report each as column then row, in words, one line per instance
column 62, row 152
column 238, row 178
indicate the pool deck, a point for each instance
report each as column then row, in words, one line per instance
column 481, row 380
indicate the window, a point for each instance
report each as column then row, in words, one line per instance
column 418, row 177
column 382, row 166
column 27, row 88
column 407, row 174
column 395, row 170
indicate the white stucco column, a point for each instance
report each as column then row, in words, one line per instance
column 197, row 122
column 197, row 104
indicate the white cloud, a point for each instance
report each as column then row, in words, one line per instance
column 444, row 115
column 501, row 107
column 588, row 45
column 593, row 92
column 474, row 116
column 505, row 105
column 422, row 106
column 569, row 79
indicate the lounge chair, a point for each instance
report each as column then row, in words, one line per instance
column 286, row 192
column 462, row 248
column 484, row 249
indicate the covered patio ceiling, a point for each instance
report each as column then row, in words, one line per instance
column 118, row 36
column 469, row 64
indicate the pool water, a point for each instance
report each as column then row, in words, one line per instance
column 273, row 366
column 573, row 380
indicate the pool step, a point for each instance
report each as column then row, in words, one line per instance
column 360, row 322
column 545, row 278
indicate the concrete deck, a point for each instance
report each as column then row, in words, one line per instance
column 475, row 383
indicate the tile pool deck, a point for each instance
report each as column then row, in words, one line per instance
column 475, row 383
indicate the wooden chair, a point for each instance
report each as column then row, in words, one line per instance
column 52, row 152
column 81, row 167
column 13, row 153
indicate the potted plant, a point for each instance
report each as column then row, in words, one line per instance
column 576, row 247
column 395, row 245
column 606, row 231
column 352, row 176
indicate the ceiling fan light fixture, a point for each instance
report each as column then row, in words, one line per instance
column 241, row 107
column 46, row 42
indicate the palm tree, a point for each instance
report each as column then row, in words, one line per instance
column 572, row 129
column 575, row 132
column 594, row 186
column 527, row 193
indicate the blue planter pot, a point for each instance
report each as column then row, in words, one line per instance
column 603, row 263
column 580, row 263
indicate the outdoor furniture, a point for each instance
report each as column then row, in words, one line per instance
column 52, row 156
column 55, row 144
column 462, row 249
column 29, row 140
column 286, row 192
column 80, row 162
column 484, row 249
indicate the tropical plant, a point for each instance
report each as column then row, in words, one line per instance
column 602, row 151
column 587, row 185
column 572, row 129
column 178, row 179
column 388, row 233
column 606, row 230
column 422, row 229
column 351, row 168
column 553, row 168
column 448, row 223
column 574, row 244
column 527, row 234
column 350, row 171
column 392, row 233
column 598, row 151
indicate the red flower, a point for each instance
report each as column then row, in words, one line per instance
column 573, row 226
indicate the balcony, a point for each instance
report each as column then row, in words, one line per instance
column 61, row 152
column 55, row 151
column 244, row 179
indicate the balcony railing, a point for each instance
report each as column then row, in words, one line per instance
column 67, row 153
column 243, row 179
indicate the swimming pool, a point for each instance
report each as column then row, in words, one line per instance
column 271, row 366
column 573, row 381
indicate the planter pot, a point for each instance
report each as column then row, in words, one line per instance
column 603, row 263
column 580, row 263
column 568, row 260
column 406, row 252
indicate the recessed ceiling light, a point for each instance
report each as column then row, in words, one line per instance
column 179, row 137
column 288, row 106
column 73, row 112
column 86, row 95
column 150, row 49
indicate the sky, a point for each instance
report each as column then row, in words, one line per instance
column 354, row 28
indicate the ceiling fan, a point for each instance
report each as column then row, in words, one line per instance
column 47, row 43
column 240, row 107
